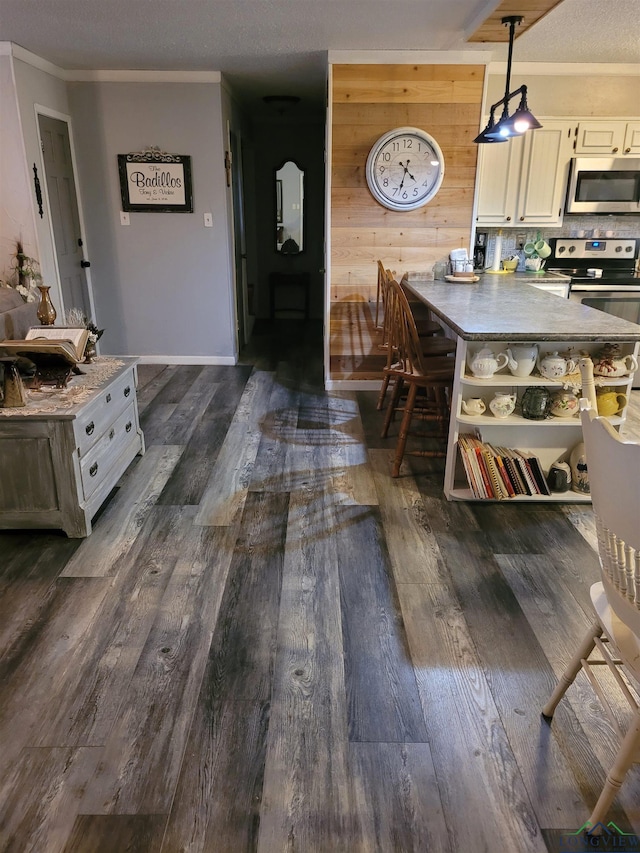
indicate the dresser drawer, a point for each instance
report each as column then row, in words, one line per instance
column 95, row 465
column 107, row 406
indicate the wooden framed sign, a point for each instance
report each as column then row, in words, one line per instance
column 155, row 182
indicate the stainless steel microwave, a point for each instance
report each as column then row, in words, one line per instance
column 604, row 185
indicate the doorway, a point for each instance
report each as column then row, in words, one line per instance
column 243, row 308
column 64, row 215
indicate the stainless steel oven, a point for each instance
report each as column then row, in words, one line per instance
column 603, row 275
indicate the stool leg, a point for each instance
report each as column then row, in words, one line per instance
column 404, row 429
column 391, row 408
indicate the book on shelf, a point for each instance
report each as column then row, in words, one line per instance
column 500, row 473
column 49, row 345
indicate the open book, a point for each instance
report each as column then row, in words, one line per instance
column 49, row 345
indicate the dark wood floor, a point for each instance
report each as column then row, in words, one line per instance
column 269, row 644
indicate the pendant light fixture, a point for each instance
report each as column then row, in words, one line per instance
column 522, row 119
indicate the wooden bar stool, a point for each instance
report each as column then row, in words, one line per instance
column 431, row 345
column 426, row 381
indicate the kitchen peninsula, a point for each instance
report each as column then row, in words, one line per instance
column 494, row 313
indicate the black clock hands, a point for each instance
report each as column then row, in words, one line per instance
column 406, row 172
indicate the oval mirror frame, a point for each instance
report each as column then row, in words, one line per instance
column 289, row 208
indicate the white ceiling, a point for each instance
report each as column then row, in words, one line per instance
column 276, row 46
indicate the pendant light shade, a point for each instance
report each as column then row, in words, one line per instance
column 522, row 119
column 488, row 134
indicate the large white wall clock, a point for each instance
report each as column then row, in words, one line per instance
column 405, row 168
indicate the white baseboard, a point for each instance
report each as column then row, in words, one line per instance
column 187, row 359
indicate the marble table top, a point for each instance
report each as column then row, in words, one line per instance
column 511, row 310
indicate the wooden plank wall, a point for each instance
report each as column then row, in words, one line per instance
column 367, row 101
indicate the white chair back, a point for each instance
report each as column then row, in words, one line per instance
column 613, row 466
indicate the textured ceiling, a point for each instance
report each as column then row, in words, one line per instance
column 267, row 46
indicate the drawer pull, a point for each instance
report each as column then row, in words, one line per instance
column 93, row 470
column 108, row 398
column 128, row 426
column 90, row 428
column 112, row 432
column 127, row 391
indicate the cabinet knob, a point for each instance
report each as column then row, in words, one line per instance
column 508, row 219
column 627, row 150
column 93, row 470
column 112, row 432
column 522, row 219
column 90, row 428
column 128, row 426
column 108, row 398
column 127, row 391
column 615, row 151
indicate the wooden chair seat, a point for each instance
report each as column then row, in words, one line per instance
column 612, row 643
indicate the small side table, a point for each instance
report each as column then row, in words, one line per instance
column 298, row 280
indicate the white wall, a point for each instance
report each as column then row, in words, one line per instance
column 163, row 284
column 570, row 95
column 16, row 188
column 35, row 86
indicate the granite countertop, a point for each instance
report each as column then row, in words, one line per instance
column 507, row 308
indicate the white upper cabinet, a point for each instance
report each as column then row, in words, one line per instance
column 608, row 137
column 523, row 181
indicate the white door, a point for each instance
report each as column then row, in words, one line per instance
column 65, row 219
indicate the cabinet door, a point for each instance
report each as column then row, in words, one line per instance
column 499, row 166
column 600, row 137
column 632, row 138
column 544, row 175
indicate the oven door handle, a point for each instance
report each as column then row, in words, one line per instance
column 605, row 288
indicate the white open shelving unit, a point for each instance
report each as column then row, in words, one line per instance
column 550, row 440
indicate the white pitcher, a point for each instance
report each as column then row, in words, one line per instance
column 502, row 404
column 522, row 359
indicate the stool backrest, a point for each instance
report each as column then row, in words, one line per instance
column 613, row 468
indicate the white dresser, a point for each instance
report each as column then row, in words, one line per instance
column 63, row 453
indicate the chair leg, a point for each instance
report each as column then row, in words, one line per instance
column 627, row 753
column 393, row 404
column 573, row 668
column 404, row 429
column 383, row 392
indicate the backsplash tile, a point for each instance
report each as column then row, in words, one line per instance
column 620, row 227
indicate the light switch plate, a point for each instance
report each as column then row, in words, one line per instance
column 208, row 220
column 124, row 218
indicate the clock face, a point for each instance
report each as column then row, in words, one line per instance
column 405, row 168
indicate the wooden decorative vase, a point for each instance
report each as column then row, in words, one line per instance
column 46, row 312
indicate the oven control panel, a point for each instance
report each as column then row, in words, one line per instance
column 596, row 249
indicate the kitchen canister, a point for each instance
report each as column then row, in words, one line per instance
column 536, row 401
column 559, row 477
column 579, row 470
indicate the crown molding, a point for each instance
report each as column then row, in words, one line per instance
column 7, row 48
column 18, row 52
column 130, row 76
column 568, row 69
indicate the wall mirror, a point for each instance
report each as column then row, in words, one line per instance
column 289, row 208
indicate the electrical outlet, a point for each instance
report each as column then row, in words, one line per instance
column 521, row 239
column 208, row 220
column 124, row 218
